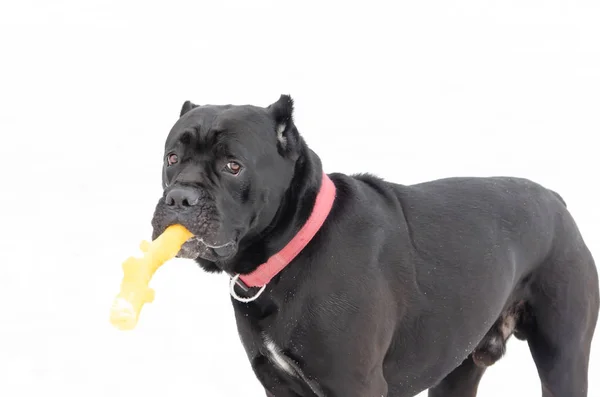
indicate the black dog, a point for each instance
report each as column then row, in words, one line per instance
column 401, row 289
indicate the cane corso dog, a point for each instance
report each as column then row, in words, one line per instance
column 352, row 286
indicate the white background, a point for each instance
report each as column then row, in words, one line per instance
column 410, row 91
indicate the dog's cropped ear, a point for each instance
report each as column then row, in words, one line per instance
column 187, row 106
column 282, row 112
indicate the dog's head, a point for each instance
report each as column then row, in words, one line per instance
column 226, row 170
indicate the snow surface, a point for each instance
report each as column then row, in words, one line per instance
column 411, row 92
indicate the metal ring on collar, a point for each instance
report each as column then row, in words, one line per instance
column 232, row 283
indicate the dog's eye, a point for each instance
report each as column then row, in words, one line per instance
column 234, row 167
column 172, row 159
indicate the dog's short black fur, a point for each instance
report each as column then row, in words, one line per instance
column 405, row 288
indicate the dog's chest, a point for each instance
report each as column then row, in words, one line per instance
column 275, row 355
column 280, row 360
column 278, row 371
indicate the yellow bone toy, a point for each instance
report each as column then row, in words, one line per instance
column 137, row 273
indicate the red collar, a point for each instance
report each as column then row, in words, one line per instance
column 323, row 204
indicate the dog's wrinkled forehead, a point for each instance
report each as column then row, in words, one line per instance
column 247, row 126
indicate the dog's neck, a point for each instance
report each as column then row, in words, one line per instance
column 293, row 212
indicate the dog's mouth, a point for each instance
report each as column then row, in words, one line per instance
column 210, row 241
column 197, row 247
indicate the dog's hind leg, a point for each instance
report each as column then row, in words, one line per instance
column 462, row 382
column 564, row 307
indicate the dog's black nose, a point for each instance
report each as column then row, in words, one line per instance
column 182, row 197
